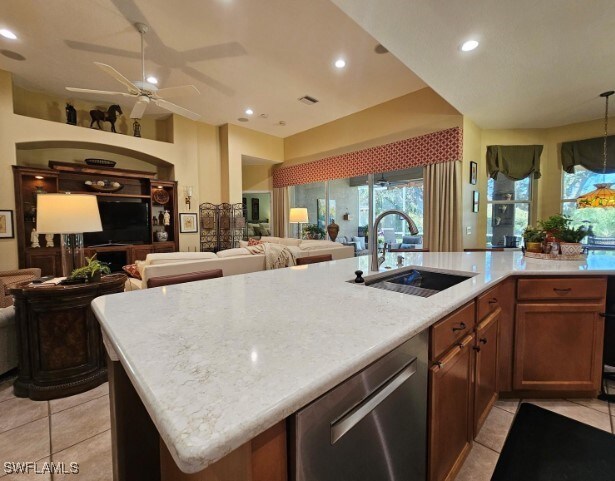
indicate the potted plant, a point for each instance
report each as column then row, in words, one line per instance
column 91, row 272
column 570, row 240
column 553, row 226
column 313, row 231
column 533, row 239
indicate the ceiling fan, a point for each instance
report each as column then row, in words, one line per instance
column 382, row 182
column 143, row 91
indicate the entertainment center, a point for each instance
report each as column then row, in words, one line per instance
column 134, row 207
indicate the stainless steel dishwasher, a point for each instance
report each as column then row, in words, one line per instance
column 370, row 427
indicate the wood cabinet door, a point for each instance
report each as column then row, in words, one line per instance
column 450, row 411
column 48, row 260
column 139, row 253
column 486, row 370
column 558, row 347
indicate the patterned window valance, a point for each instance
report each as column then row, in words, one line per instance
column 514, row 161
column 589, row 153
column 442, row 146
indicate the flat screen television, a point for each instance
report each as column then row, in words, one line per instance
column 123, row 222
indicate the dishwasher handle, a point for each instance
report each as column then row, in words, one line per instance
column 352, row 417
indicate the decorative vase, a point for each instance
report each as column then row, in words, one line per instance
column 333, row 230
column 571, row 248
column 162, row 236
column 535, row 247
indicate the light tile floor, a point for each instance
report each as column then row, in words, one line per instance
column 73, row 429
column 481, row 461
column 77, row 429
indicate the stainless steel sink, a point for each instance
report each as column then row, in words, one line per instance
column 418, row 282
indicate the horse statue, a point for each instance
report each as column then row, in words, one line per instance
column 109, row 116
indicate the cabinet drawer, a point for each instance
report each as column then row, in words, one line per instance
column 561, row 288
column 487, row 303
column 451, row 330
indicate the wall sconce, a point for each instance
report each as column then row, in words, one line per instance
column 188, row 195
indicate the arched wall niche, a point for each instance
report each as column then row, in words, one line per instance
column 39, row 153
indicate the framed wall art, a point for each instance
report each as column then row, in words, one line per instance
column 7, row 230
column 473, row 173
column 475, row 199
column 188, row 223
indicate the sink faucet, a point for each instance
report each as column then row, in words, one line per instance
column 374, row 242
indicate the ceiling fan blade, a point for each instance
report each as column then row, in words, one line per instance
column 132, row 88
column 180, row 90
column 99, row 92
column 176, row 109
column 139, row 109
column 90, row 47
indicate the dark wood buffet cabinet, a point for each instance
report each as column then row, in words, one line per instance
column 59, row 340
column 136, row 186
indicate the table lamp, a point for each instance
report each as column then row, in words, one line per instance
column 298, row 215
column 69, row 215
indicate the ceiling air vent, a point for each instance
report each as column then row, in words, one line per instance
column 307, row 100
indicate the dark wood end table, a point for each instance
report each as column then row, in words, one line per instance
column 58, row 338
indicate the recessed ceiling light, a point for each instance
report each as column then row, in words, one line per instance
column 340, row 63
column 8, row 34
column 249, row 111
column 469, row 45
column 152, row 80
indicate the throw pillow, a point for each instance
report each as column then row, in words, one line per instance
column 360, row 242
column 265, row 231
column 132, row 271
column 254, row 242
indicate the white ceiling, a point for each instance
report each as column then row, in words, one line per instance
column 239, row 53
column 541, row 63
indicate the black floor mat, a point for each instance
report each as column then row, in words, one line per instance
column 545, row 446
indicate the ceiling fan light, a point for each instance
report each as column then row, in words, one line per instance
column 151, row 79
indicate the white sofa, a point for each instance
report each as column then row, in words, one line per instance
column 231, row 261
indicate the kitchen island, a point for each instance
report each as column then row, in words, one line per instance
column 218, row 362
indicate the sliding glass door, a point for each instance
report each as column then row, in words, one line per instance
column 347, row 203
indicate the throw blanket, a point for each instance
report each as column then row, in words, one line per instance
column 276, row 255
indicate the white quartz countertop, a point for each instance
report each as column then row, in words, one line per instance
column 217, row 362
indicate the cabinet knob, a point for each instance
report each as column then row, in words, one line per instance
column 483, row 340
column 461, row 327
column 493, row 300
column 476, row 348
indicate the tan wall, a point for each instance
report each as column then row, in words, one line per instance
column 237, row 142
column 414, row 114
column 257, row 177
column 474, row 221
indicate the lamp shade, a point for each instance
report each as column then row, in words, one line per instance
column 298, row 214
column 67, row 214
